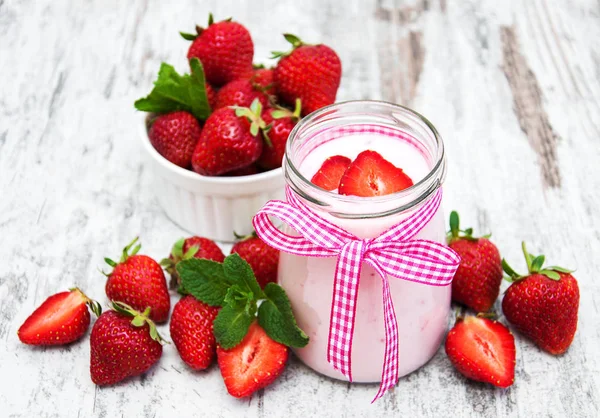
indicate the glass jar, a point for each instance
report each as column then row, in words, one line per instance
column 421, row 311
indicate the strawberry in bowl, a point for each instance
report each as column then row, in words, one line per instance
column 215, row 138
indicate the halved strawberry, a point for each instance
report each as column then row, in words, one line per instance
column 372, row 175
column 253, row 364
column 61, row 319
column 329, row 175
column 482, row 350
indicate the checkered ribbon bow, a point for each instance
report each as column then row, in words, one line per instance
column 392, row 253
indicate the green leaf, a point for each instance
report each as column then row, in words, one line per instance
column 469, row 231
column 293, row 39
column 454, row 223
column 173, row 92
column 559, row 269
column 537, row 263
column 231, row 325
column 188, row 36
column 275, row 316
column 204, row 279
column 110, row 262
column 278, row 114
column 177, row 251
column 238, row 271
column 550, row 274
column 138, row 321
column 509, row 270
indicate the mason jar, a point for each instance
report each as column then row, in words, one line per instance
column 412, row 143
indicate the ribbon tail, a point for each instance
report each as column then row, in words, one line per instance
column 343, row 307
column 389, row 374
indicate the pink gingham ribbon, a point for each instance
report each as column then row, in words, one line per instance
column 392, row 253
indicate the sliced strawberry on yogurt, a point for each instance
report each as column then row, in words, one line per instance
column 372, row 175
column 329, row 175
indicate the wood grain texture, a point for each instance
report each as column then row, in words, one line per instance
column 495, row 78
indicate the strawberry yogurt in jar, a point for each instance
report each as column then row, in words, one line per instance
column 410, row 142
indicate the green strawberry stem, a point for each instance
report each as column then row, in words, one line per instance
column 94, row 306
column 292, row 39
column 124, row 255
column 456, row 233
column 253, row 113
column 534, row 266
column 239, row 237
column 178, row 255
column 139, row 319
column 282, row 112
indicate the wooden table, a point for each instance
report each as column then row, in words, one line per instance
column 513, row 87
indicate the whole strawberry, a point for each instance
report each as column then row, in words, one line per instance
column 543, row 304
column 192, row 332
column 263, row 258
column 225, row 50
column 123, row 343
column 139, row 281
column 310, row 73
column 240, row 93
column 279, row 123
column 174, row 135
column 477, row 281
column 61, row 319
column 482, row 350
column 229, row 141
column 192, row 247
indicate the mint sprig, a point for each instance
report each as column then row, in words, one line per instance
column 232, row 286
column 275, row 313
column 204, row 279
column 174, row 92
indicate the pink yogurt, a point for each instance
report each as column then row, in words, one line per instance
column 421, row 311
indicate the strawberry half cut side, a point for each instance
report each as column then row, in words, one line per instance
column 61, row 319
column 482, row 350
column 253, row 364
column 329, row 175
column 372, row 175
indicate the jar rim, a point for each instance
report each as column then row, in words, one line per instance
column 419, row 191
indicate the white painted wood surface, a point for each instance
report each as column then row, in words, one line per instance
column 513, row 87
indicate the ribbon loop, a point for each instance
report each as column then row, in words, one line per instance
column 392, row 254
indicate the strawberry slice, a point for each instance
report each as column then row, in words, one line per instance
column 329, row 175
column 61, row 319
column 482, row 350
column 253, row 364
column 372, row 175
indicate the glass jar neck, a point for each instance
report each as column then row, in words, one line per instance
column 308, row 134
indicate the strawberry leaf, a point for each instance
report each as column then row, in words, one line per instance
column 537, row 263
column 559, row 269
column 275, row 316
column 550, row 274
column 204, row 279
column 188, row 36
column 231, row 325
column 509, row 270
column 174, row 92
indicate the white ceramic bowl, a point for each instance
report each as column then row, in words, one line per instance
column 212, row 207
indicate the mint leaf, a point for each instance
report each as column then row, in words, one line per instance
column 173, row 92
column 276, row 318
column 231, row 325
column 238, row 271
column 204, row 279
